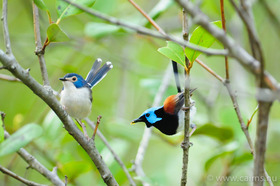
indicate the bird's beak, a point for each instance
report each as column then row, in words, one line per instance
column 136, row 121
column 62, row 79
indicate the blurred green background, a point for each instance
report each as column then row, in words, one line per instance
column 219, row 146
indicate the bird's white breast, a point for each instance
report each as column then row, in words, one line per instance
column 76, row 100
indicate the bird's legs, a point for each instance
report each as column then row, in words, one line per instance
column 83, row 127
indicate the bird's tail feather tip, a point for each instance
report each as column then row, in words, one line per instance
column 108, row 63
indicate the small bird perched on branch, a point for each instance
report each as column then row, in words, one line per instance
column 169, row 118
column 76, row 95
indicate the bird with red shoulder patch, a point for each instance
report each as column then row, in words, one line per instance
column 169, row 118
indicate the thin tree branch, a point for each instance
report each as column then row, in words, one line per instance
column 246, row 15
column 46, row 94
column 137, row 167
column 148, row 17
column 5, row 27
column 186, row 141
column 149, row 32
column 237, row 111
column 38, row 43
column 21, row 179
column 116, row 157
column 210, row 70
column 35, row 164
column 224, row 28
column 235, row 51
column 9, row 78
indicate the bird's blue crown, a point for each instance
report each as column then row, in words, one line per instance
column 77, row 80
column 151, row 116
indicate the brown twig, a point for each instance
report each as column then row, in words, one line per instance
column 96, row 126
column 21, row 179
column 210, row 70
column 39, row 51
column 224, row 28
column 147, row 17
column 251, row 118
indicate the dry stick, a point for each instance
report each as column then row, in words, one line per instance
column 96, row 126
column 38, row 43
column 148, row 32
column 19, row 178
column 36, row 165
column 5, row 27
column 186, row 142
column 116, row 157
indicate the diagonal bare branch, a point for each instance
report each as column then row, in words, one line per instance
column 49, row 98
column 149, row 32
column 19, row 178
column 35, row 164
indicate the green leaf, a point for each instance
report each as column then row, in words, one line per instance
column 221, row 152
column 201, row 37
column 244, row 158
column 55, row 34
column 220, row 133
column 41, row 4
column 174, row 51
column 64, row 9
column 98, row 30
column 20, row 138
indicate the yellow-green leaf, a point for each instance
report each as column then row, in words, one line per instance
column 64, row 9
column 203, row 38
column 55, row 34
column 173, row 51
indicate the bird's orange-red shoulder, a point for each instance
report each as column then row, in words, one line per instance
column 169, row 104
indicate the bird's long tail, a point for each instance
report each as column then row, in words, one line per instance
column 176, row 76
column 96, row 74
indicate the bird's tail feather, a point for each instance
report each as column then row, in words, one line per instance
column 176, row 75
column 96, row 74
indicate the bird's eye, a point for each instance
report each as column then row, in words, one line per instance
column 74, row 78
column 147, row 115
